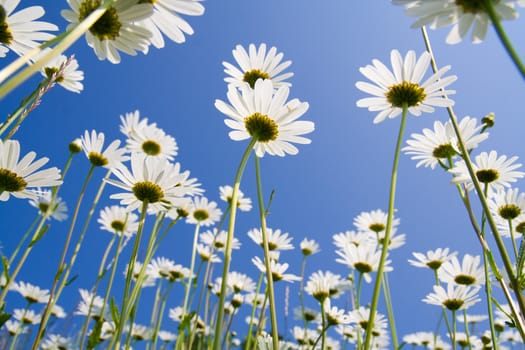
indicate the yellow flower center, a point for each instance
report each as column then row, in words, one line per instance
column 407, row 93
column 261, row 127
column 148, row 191
column 251, row 76
column 151, row 148
column 11, row 182
column 471, row 6
column 106, row 27
column 6, row 37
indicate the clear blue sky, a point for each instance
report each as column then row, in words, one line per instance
column 318, row 192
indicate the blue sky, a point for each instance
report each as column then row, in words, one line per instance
column 318, row 192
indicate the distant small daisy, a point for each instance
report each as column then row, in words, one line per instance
column 19, row 31
column 111, row 157
column 461, row 15
column 468, row 273
column 18, row 177
column 492, row 171
column 90, row 305
column 32, row 293
column 140, row 332
column 361, row 316
column 454, row 298
column 204, row 212
column 341, row 239
column 257, row 64
column 217, row 240
column 433, row 259
column 116, row 30
column 322, row 285
column 439, row 146
column 309, row 247
column 14, row 327
column 393, row 90
column 47, row 206
column 277, row 240
column 166, row 19
column 278, row 270
column 118, row 220
column 57, row 342
column 132, row 123
column 153, row 142
column 27, row 317
column 507, row 204
column 166, row 336
column 166, row 268
column 243, row 203
column 373, row 221
column 207, row 253
column 158, row 186
column 363, row 258
column 419, row 338
column 261, row 114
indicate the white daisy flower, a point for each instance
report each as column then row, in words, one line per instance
column 111, row 158
column 507, row 204
column 118, row 220
column 243, row 203
column 131, row 123
column 433, row 259
column 278, row 270
column 455, row 297
column 90, row 305
column 472, row 319
column 419, row 338
column 53, row 208
column 465, row 341
column 257, row 64
column 469, row 272
column 335, row 315
column 309, row 247
column 260, row 114
column 403, row 86
column 306, row 337
column 492, row 171
column 66, row 69
column 151, row 180
column 117, row 29
column 217, row 240
column 58, row 311
column 19, row 31
column 396, row 240
column 361, row 316
column 15, row 327
column 238, row 282
column 166, row 19
column 461, row 15
column 341, row 239
column 166, row 268
column 149, row 279
column 373, row 221
column 363, row 258
column 322, row 285
column 153, row 142
column 204, row 212
column 139, row 332
column 276, row 239
column 167, row 336
column 308, row 315
column 27, row 317
column 207, row 253
column 57, row 342
column 33, row 294
column 518, row 225
column 439, row 146
column 18, row 177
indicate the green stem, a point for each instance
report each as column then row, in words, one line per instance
column 301, row 293
column 66, row 40
column 24, row 237
column 388, row 230
column 454, row 323
column 512, row 237
column 228, row 248
column 467, row 331
column 390, row 310
column 495, row 232
column 267, row 262
column 502, row 35
column 254, row 308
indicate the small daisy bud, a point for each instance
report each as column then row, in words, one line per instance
column 488, row 121
column 75, row 146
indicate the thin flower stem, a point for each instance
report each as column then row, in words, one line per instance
column 228, row 248
column 160, row 316
column 254, row 308
column 301, row 293
column 113, row 271
column 22, row 240
column 497, row 237
column 388, row 230
column 323, row 327
column 390, row 310
column 512, row 237
column 66, row 40
column 502, row 35
column 454, row 323
column 467, row 331
column 267, row 262
column 124, row 309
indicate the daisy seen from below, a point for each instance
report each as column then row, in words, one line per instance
column 493, row 172
column 277, row 240
column 57, row 342
column 131, row 123
column 361, row 316
column 373, row 221
column 162, row 267
column 266, row 117
column 111, row 157
column 204, row 212
column 118, row 220
column 151, row 181
column 33, row 294
column 469, row 272
column 433, row 259
column 153, row 142
column 325, row 284
column 52, row 208
column 66, row 70
column 439, row 146
column 166, row 19
column 20, row 31
column 257, row 64
column 309, row 247
column 217, row 240
column 363, row 258
column 117, row 29
column 461, row 15
column 278, row 270
column 455, row 297
column 27, row 317
column 18, row 177
column 243, row 203
column 403, row 87
column 90, row 305
column 507, row 204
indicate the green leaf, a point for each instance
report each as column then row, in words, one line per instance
column 39, row 236
column 94, row 337
column 113, row 309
